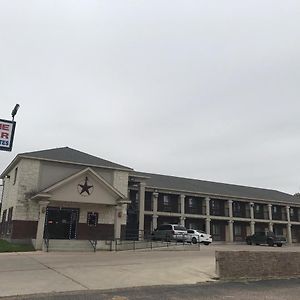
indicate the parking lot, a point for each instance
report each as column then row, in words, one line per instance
column 40, row 272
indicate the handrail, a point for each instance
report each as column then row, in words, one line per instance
column 94, row 244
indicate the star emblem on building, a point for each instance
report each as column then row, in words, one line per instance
column 84, row 188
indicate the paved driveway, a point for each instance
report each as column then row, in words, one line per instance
column 40, row 272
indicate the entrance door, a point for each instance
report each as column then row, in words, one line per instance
column 61, row 223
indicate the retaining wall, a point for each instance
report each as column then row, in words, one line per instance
column 257, row 264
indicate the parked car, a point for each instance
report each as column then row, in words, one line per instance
column 267, row 238
column 170, row 232
column 198, row 236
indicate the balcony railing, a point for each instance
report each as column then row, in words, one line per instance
column 294, row 218
column 194, row 210
column 261, row 215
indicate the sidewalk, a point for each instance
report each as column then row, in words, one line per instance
column 40, row 272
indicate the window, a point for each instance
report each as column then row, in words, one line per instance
column 274, row 209
column 237, row 230
column 292, row 212
column 191, row 202
column 15, row 176
column 92, row 219
column 167, row 201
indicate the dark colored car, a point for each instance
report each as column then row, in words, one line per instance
column 265, row 238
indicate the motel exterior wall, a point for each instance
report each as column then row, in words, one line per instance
column 152, row 214
column 29, row 176
column 149, row 206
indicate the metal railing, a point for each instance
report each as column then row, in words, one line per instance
column 94, row 244
column 149, row 242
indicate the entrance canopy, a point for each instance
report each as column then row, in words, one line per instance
column 86, row 186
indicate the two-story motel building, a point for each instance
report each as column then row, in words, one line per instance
column 63, row 193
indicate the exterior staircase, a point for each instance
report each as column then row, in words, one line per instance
column 68, row 245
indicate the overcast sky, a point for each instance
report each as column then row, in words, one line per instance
column 199, row 89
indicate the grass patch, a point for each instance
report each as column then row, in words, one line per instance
column 9, row 247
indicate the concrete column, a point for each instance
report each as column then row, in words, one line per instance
column 230, row 224
column 270, row 211
column 41, row 225
column 154, row 207
column 117, row 225
column 207, row 206
column 207, row 225
column 230, row 211
column 182, row 209
column 141, row 209
column 251, row 210
column 207, row 220
column 154, row 222
column 252, row 227
column 289, row 233
column 271, row 226
column 288, row 217
column 270, row 217
column 289, row 225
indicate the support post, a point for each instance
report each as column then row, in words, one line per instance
column 154, row 207
column 41, row 225
column 141, row 210
column 207, row 220
column 230, row 224
column 270, row 217
column 117, row 225
column 289, row 226
column 182, row 209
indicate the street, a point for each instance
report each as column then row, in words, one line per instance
column 254, row 290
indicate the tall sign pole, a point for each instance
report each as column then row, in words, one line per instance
column 7, row 131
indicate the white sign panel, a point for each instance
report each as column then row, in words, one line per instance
column 7, row 131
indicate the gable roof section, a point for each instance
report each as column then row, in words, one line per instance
column 68, row 179
column 68, row 155
column 214, row 188
column 45, row 193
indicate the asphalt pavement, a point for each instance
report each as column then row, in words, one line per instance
column 252, row 290
column 56, row 272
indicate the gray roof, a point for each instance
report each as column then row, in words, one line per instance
column 69, row 155
column 215, row 188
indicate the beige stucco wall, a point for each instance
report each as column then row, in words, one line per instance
column 120, row 181
column 100, row 193
column 15, row 195
column 53, row 172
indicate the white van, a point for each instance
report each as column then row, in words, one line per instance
column 170, row 232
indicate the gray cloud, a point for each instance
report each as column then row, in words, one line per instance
column 197, row 89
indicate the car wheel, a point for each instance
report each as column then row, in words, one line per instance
column 270, row 243
column 206, row 243
column 279, row 245
column 194, row 240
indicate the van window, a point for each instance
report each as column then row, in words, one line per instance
column 179, row 228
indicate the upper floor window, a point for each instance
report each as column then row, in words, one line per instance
column 16, row 174
column 167, row 200
column 236, row 206
column 292, row 212
column 191, row 202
